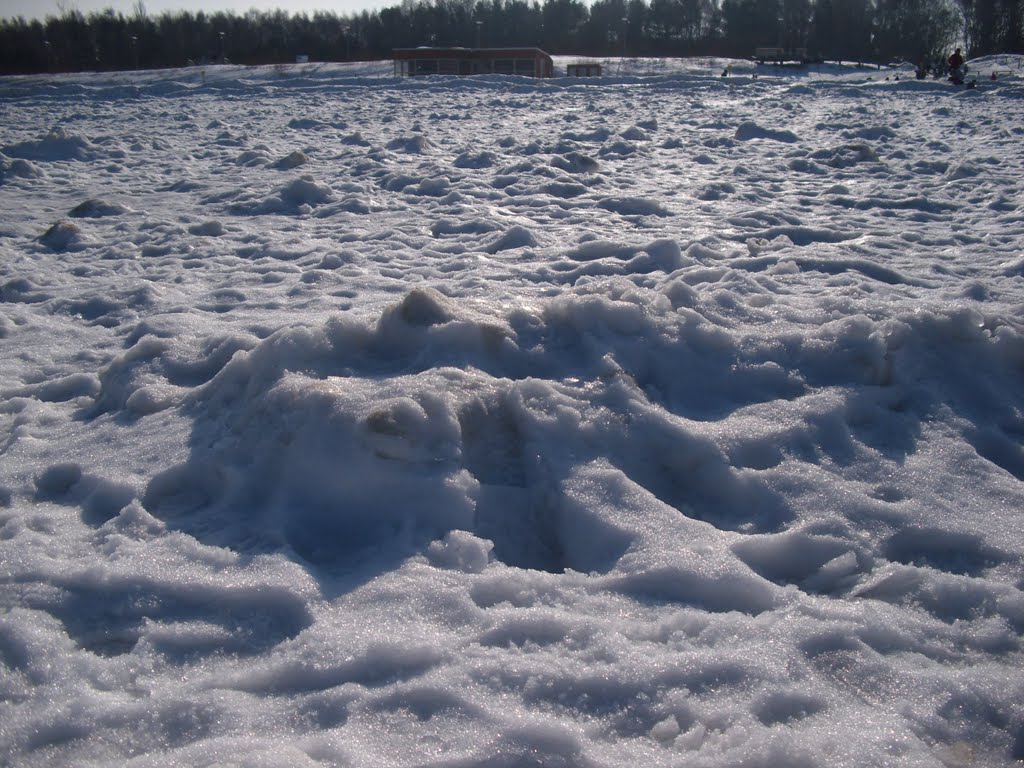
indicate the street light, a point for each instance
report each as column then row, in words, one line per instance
column 479, row 24
column 625, row 33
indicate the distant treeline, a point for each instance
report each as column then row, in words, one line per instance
column 857, row 30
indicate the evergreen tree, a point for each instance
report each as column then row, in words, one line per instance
column 752, row 23
column 843, row 30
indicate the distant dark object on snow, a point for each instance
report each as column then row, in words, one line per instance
column 531, row 62
column 584, row 69
column 780, row 55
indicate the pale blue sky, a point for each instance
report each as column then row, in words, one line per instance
column 42, row 8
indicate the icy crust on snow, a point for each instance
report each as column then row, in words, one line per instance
column 655, row 420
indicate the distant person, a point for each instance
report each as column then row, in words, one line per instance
column 956, row 67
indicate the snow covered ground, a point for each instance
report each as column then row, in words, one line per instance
column 661, row 419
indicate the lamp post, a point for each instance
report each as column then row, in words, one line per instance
column 479, row 24
column 135, row 52
column 625, row 34
column 223, row 56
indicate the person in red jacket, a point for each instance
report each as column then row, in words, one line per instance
column 956, row 63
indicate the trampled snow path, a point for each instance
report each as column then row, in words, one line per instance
column 658, row 420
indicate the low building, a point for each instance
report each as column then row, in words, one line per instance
column 530, row 62
column 779, row 55
column 585, row 69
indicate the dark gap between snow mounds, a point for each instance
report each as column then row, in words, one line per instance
column 520, row 506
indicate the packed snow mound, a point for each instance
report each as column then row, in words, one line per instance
column 96, row 208
column 64, row 236
column 59, row 145
column 292, row 160
column 11, row 169
column 415, row 145
column 750, row 130
column 346, row 438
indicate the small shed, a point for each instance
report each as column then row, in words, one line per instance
column 586, row 69
column 531, row 62
column 779, row 55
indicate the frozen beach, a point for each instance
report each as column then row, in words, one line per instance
column 661, row 419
